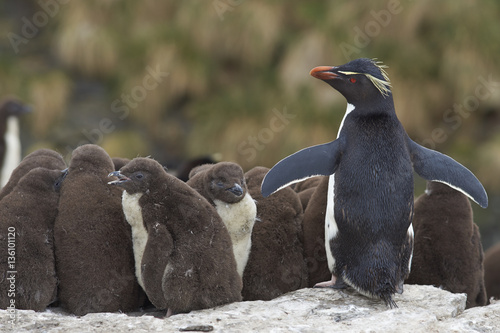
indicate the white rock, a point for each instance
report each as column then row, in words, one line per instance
column 421, row 309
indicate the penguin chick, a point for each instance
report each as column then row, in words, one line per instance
column 93, row 244
column 314, row 233
column 223, row 185
column 185, row 168
column 43, row 158
column 448, row 251
column 119, row 162
column 182, row 250
column 492, row 272
column 306, row 188
column 197, row 169
column 276, row 264
column 27, row 217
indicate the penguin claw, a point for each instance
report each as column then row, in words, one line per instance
column 399, row 288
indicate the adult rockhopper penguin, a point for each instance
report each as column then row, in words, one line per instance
column 10, row 144
column 368, row 231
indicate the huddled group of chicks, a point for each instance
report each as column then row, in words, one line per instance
column 107, row 235
column 94, row 239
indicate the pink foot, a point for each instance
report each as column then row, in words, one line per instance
column 327, row 284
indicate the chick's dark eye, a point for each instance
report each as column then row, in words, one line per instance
column 353, row 80
column 139, row 175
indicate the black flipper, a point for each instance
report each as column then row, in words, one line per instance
column 320, row 160
column 434, row 166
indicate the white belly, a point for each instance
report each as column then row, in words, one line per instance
column 239, row 219
column 331, row 228
column 12, row 156
column 133, row 214
column 411, row 236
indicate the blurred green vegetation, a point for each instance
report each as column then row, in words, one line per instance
column 234, row 65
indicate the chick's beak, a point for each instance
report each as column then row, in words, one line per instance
column 121, row 178
column 236, row 190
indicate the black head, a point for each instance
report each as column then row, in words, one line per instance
column 361, row 81
column 13, row 107
column 140, row 175
column 227, row 182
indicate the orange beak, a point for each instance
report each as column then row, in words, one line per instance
column 323, row 73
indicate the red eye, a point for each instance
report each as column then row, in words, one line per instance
column 353, row 80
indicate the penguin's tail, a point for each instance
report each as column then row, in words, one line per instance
column 386, row 296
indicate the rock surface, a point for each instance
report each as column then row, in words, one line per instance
column 421, row 309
